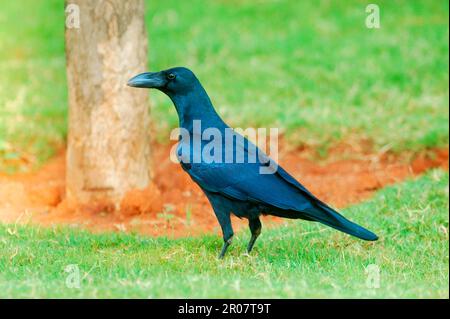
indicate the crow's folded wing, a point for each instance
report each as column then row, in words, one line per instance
column 244, row 181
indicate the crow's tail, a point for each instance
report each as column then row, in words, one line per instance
column 328, row 216
column 324, row 214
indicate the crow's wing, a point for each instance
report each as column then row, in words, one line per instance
column 243, row 181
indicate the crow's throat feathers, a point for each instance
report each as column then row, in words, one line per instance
column 196, row 105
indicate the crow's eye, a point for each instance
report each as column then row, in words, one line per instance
column 171, row 76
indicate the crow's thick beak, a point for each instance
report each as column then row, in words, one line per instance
column 148, row 80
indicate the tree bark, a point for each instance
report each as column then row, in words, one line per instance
column 108, row 143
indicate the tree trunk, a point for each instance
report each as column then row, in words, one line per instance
column 108, row 142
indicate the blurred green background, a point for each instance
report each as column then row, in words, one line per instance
column 310, row 68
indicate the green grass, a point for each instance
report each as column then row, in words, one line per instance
column 311, row 68
column 299, row 259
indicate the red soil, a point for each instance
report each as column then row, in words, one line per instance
column 174, row 206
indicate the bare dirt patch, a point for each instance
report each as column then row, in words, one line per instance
column 174, row 206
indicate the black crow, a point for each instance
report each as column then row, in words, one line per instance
column 240, row 179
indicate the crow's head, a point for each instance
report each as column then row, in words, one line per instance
column 177, row 80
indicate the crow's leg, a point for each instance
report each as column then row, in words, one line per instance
column 225, row 246
column 255, row 228
column 222, row 210
column 227, row 230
